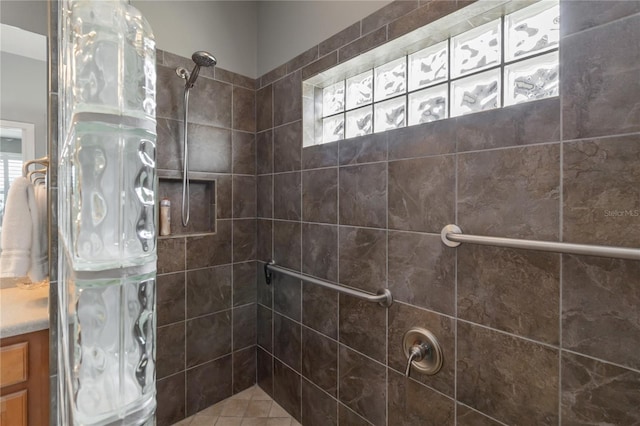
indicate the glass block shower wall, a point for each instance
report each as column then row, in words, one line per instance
column 107, row 215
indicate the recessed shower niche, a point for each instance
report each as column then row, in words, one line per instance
column 203, row 202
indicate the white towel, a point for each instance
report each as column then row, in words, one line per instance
column 39, row 247
column 17, row 224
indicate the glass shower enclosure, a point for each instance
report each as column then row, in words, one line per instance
column 107, row 215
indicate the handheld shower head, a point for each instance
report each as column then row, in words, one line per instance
column 201, row 59
column 204, row 59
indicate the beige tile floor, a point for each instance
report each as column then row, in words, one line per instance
column 251, row 407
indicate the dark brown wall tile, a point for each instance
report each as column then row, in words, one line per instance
column 207, row 109
column 287, row 237
column 579, row 16
column 209, row 149
column 424, row 15
column 319, row 251
column 171, row 255
column 264, row 375
column 363, row 327
column 244, row 283
column 361, row 45
column 510, row 192
column 244, row 326
column 422, row 271
column 172, row 60
column 523, row 124
column 244, row 369
column 287, row 389
column 208, row 291
column 423, row 140
column 348, row 417
column 320, row 309
column 224, row 206
column 236, row 79
column 495, row 376
column 597, row 393
column 387, row 14
column 320, row 360
column 599, row 80
column 208, row 384
column 265, row 196
column 469, row 417
column 264, row 290
column 265, row 328
column 363, row 195
column 422, row 193
column 600, row 299
column 512, row 290
column 318, row 408
column 341, row 38
column 363, row 258
column 265, row 228
column 264, row 152
column 302, row 59
column 317, row 156
column 244, row 240
column 364, row 149
column 170, row 298
column 244, row 153
column 362, row 385
column 208, row 337
column 244, row 196
column 210, row 250
column 170, row 350
column 169, row 144
column 404, row 317
column 171, row 401
column 287, row 196
column 601, row 191
column 287, row 147
column 413, row 404
column 170, row 93
column 287, row 99
column 264, row 108
column 244, row 107
column 273, row 75
column 287, row 295
column 320, row 195
column 322, row 64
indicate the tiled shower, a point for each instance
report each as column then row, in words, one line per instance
column 528, row 337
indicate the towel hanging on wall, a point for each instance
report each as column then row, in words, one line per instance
column 23, row 239
column 15, row 258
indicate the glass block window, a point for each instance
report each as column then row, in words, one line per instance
column 503, row 62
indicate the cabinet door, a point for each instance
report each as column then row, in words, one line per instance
column 13, row 364
column 14, row 409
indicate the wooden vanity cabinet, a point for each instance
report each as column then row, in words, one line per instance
column 24, row 379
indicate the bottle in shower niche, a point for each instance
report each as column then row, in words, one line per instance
column 165, row 217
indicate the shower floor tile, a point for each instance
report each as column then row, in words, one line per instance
column 251, row 407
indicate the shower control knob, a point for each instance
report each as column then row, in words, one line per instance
column 423, row 351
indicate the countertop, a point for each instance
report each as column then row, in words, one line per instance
column 23, row 311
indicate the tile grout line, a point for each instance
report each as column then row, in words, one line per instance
column 561, row 266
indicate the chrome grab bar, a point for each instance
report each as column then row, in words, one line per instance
column 452, row 236
column 383, row 297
